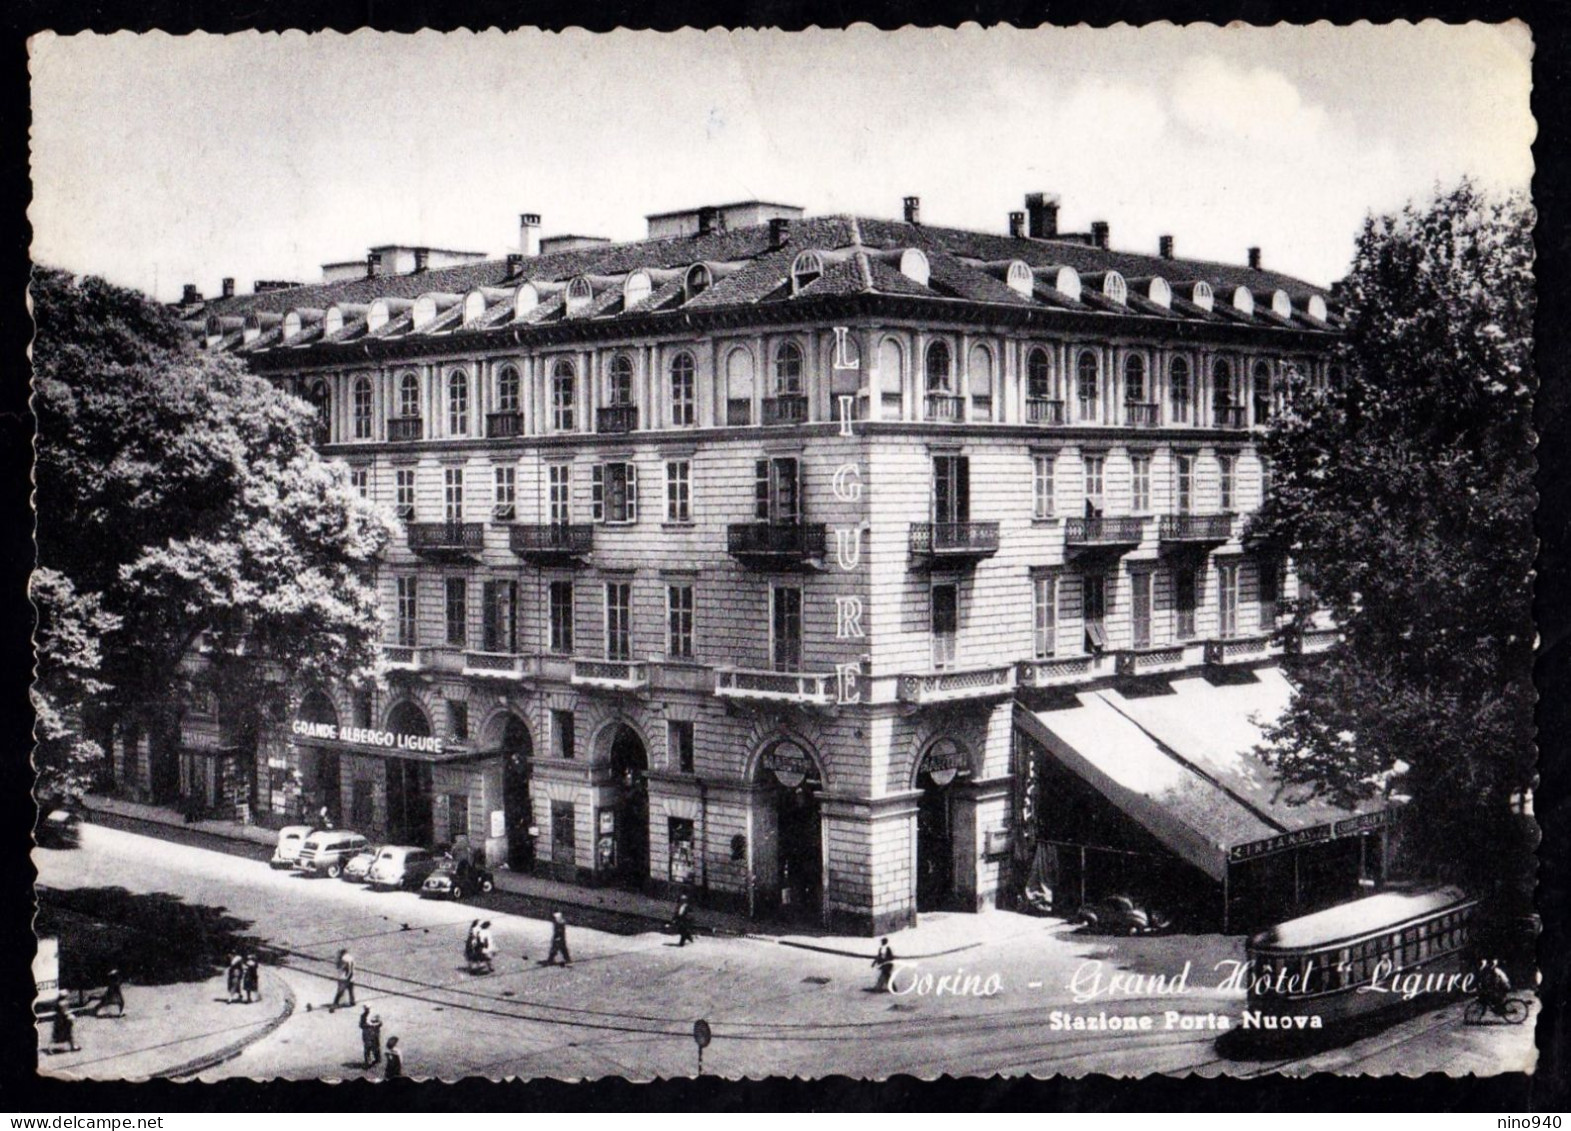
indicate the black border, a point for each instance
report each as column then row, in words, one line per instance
column 22, row 1091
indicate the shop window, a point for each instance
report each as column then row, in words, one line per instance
column 679, row 838
column 562, row 734
column 679, row 741
column 563, row 831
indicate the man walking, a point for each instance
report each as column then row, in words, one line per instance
column 370, row 1036
column 683, row 921
column 251, row 979
column 558, row 940
column 113, row 995
column 346, row 979
column 393, row 1068
column 885, row 961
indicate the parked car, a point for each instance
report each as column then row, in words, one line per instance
column 400, row 866
column 58, row 827
column 456, row 879
column 1122, row 915
column 357, row 869
column 326, row 851
column 291, row 839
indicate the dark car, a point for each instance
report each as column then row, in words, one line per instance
column 1122, row 915
column 457, row 880
column 58, row 827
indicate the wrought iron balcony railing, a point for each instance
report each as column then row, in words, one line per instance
column 1103, row 530
column 1138, row 414
column 404, row 429
column 504, row 425
column 459, row 538
column 617, row 418
column 956, row 543
column 551, row 543
column 1041, row 410
column 788, row 408
column 1230, row 416
column 945, row 407
column 1196, row 527
column 768, row 545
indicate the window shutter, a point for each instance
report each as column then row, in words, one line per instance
column 632, row 491
column 597, row 493
column 761, row 490
column 962, row 488
column 492, row 619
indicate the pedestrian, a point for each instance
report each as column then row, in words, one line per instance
column 63, row 1029
column 485, row 948
column 393, row 1067
column 885, row 961
column 558, row 940
column 370, row 1036
column 683, row 921
column 252, row 980
column 324, row 819
column 235, row 977
column 346, row 979
column 113, row 995
column 472, row 945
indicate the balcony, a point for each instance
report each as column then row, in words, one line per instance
column 1040, row 410
column 1151, row 661
column 1062, row 672
column 552, row 544
column 738, row 412
column 401, row 656
column 405, row 429
column 1103, row 532
column 318, row 433
column 1230, row 416
column 1311, row 641
column 504, row 425
column 939, row 544
column 617, row 418
column 944, row 407
column 788, row 408
column 1140, row 415
column 610, row 675
column 1239, row 650
column 753, row 685
column 499, row 665
column 1196, row 528
column 772, row 546
column 957, row 686
column 447, row 539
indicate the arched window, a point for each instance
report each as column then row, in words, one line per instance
column 1180, row 389
column 562, row 381
column 809, row 265
column 579, row 296
column 788, row 370
column 360, row 403
column 1087, row 377
column 619, row 380
column 409, row 395
column 1261, row 387
column 739, row 387
column 458, row 403
column 1114, row 288
column 683, row 385
column 1039, row 375
column 1135, row 379
column 697, row 282
column 1222, row 384
column 321, row 401
column 891, row 369
column 979, row 383
column 939, row 368
column 507, row 389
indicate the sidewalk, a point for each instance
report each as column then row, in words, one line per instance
column 169, row 1030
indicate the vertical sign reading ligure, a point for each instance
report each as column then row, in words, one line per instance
column 847, row 486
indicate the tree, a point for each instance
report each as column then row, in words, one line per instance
column 179, row 496
column 1403, row 492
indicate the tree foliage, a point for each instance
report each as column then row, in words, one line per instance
column 1404, row 494
column 177, row 495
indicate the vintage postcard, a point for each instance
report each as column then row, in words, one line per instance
column 945, row 551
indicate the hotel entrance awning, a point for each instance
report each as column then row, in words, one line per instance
column 1182, row 766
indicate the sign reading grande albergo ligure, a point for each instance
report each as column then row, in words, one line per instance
column 366, row 736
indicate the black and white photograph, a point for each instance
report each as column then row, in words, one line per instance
column 954, row 551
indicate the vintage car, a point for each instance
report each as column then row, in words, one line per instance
column 291, row 839
column 1121, row 915
column 357, row 869
column 457, row 880
column 58, row 827
column 326, row 851
column 401, row 866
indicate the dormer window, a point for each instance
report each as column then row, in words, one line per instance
column 638, row 287
column 525, row 299
column 939, row 368
column 788, row 370
column 1317, row 308
column 1066, row 281
column 914, row 266
column 579, row 295
column 619, row 381
column 1202, row 297
column 1159, row 292
column 1019, row 278
column 291, row 325
column 1243, row 301
column 409, row 396
column 1281, row 305
column 1114, row 289
column 699, row 279
column 807, row 268
column 474, row 307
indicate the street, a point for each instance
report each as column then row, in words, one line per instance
column 784, row 1005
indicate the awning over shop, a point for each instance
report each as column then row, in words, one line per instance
column 1182, row 766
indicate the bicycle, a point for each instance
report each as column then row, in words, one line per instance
column 1512, row 1011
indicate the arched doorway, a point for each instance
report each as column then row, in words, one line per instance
column 939, row 768
column 629, row 864
column 797, row 869
column 517, row 750
column 408, row 782
column 320, row 773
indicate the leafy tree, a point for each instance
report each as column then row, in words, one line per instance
column 1404, row 493
column 178, row 496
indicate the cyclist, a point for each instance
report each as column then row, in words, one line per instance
column 1493, row 986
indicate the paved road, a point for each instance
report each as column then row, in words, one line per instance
column 627, row 1005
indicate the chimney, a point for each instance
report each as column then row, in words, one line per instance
column 515, row 264
column 1041, row 216
column 778, row 227
column 1165, row 246
column 529, row 233
column 1099, row 231
column 190, row 295
column 422, row 259
column 373, row 264
column 1254, row 259
column 913, row 208
column 229, row 286
column 708, row 216
column 1017, row 224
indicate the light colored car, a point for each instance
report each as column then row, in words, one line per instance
column 401, row 866
column 326, row 851
column 357, row 869
column 291, row 839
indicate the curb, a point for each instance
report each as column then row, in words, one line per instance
column 230, row 1051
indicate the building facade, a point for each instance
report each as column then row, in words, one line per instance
column 729, row 556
